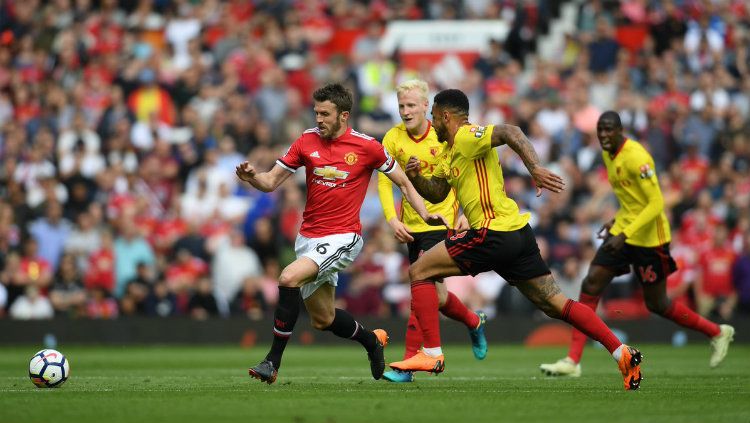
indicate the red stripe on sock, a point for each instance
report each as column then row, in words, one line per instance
column 585, row 320
column 578, row 338
column 456, row 310
column 424, row 305
column 566, row 310
column 413, row 337
column 683, row 316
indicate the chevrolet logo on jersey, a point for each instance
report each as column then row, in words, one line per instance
column 330, row 173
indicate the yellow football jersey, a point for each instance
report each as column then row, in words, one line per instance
column 401, row 145
column 633, row 178
column 472, row 167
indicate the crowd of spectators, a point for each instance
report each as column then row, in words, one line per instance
column 121, row 123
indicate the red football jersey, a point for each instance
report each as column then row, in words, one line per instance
column 716, row 266
column 338, row 172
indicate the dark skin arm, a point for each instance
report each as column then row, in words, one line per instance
column 516, row 140
column 433, row 189
column 603, row 232
column 611, row 242
column 614, row 242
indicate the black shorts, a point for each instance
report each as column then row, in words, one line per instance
column 423, row 241
column 650, row 264
column 513, row 255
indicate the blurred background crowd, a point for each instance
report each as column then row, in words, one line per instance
column 121, row 123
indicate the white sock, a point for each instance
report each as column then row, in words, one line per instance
column 616, row 354
column 433, row 352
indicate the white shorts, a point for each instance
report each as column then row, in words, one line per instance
column 331, row 253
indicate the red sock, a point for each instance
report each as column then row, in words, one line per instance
column 457, row 311
column 578, row 340
column 683, row 316
column 413, row 337
column 585, row 320
column 424, row 305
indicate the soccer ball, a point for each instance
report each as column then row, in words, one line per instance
column 49, row 369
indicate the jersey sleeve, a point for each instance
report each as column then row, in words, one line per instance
column 382, row 161
column 442, row 167
column 641, row 171
column 385, row 185
column 292, row 159
column 474, row 141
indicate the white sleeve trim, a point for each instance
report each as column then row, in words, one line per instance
column 280, row 163
column 389, row 165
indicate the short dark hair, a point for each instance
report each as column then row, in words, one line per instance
column 452, row 99
column 336, row 94
column 612, row 116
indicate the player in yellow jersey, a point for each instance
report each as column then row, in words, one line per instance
column 416, row 137
column 639, row 236
column 500, row 238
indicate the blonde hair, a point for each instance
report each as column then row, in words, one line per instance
column 413, row 84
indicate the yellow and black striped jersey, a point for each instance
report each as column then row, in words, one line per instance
column 401, row 145
column 633, row 178
column 471, row 166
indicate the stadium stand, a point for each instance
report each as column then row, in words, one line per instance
column 121, row 123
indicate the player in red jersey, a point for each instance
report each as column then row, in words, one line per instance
column 338, row 163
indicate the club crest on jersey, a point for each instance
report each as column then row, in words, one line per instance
column 478, row 131
column 433, row 151
column 646, row 171
column 330, row 173
column 350, row 158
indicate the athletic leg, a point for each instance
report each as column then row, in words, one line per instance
column 655, row 295
column 433, row 264
column 285, row 315
column 597, row 279
column 324, row 316
column 657, row 302
column 545, row 294
column 453, row 308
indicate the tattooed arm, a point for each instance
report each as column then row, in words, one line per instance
column 412, row 196
column 516, row 140
column 433, row 189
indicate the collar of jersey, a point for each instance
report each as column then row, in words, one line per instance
column 620, row 149
column 427, row 132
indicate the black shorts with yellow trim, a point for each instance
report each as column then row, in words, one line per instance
column 513, row 255
column 650, row 264
column 423, row 241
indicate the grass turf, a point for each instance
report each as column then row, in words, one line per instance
column 333, row 384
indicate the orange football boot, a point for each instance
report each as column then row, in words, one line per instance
column 630, row 367
column 376, row 356
column 382, row 336
column 421, row 362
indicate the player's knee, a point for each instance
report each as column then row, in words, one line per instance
column 657, row 305
column 550, row 310
column 589, row 285
column 288, row 280
column 416, row 272
column 321, row 321
column 442, row 297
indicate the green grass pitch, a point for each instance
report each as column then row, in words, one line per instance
column 333, row 384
